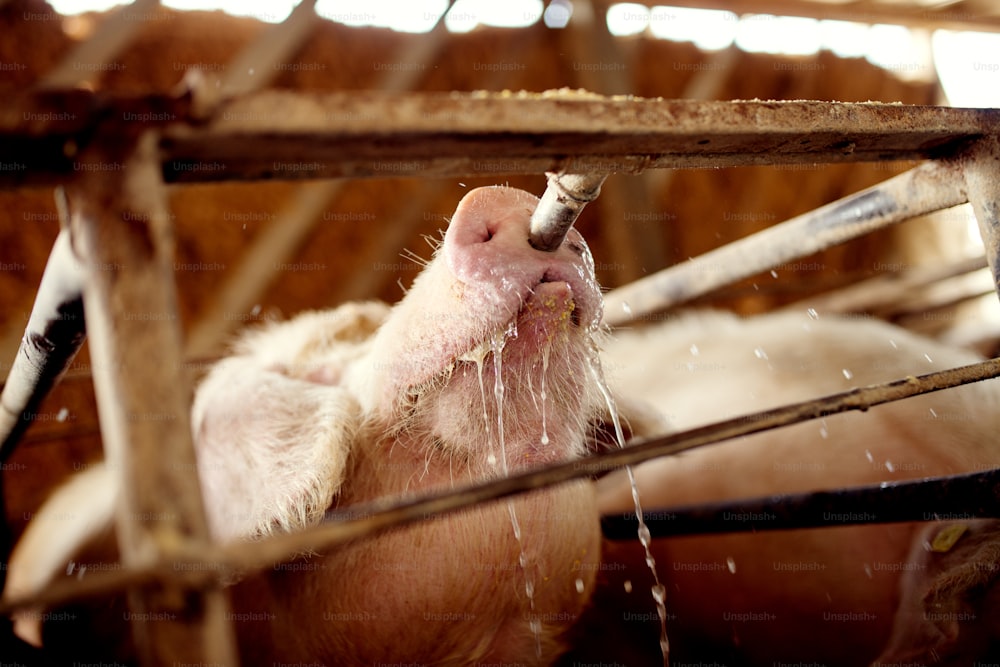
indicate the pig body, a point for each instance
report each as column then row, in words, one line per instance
column 820, row 595
column 481, row 370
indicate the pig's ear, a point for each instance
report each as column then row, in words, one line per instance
column 945, row 614
column 638, row 419
column 272, row 427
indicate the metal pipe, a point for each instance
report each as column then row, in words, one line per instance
column 52, row 337
column 929, row 187
column 974, row 495
column 560, row 206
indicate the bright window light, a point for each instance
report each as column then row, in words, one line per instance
column 709, row 29
column 763, row 33
column 467, row 14
column 558, row 13
column 968, row 65
column 899, row 50
column 627, row 18
column 262, row 10
column 415, row 16
column 845, row 38
column 71, row 7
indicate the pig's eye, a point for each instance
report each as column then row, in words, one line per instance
column 575, row 247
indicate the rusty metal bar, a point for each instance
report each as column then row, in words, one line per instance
column 285, row 135
column 969, row 496
column 120, row 228
column 982, row 181
column 929, row 187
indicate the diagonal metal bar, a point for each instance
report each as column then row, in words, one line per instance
column 929, row 187
column 53, row 336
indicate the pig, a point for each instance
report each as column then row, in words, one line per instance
column 826, row 595
column 950, row 597
column 486, row 367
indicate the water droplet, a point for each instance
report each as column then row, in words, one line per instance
column 868, row 455
column 811, row 312
column 823, row 431
column 774, row 274
column 580, row 587
column 933, row 414
column 889, row 466
column 694, row 350
column 893, row 343
column 628, row 586
column 255, row 311
column 759, row 353
column 491, row 459
column 847, row 374
column 627, row 309
column 868, row 570
column 62, row 414
column 928, row 358
column 731, row 564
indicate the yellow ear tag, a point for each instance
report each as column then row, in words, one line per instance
column 947, row 537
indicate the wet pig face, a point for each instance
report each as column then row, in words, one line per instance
column 487, row 366
column 492, row 349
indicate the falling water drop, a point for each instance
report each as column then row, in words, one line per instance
column 544, row 393
column 847, row 374
column 496, row 346
column 731, row 564
column 812, row 313
column 658, row 591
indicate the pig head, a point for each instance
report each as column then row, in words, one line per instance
column 487, row 366
column 949, row 597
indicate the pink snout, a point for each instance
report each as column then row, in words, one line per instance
column 487, row 246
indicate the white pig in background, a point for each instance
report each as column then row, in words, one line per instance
column 336, row 408
column 819, row 596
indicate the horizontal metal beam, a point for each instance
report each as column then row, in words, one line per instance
column 292, row 135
